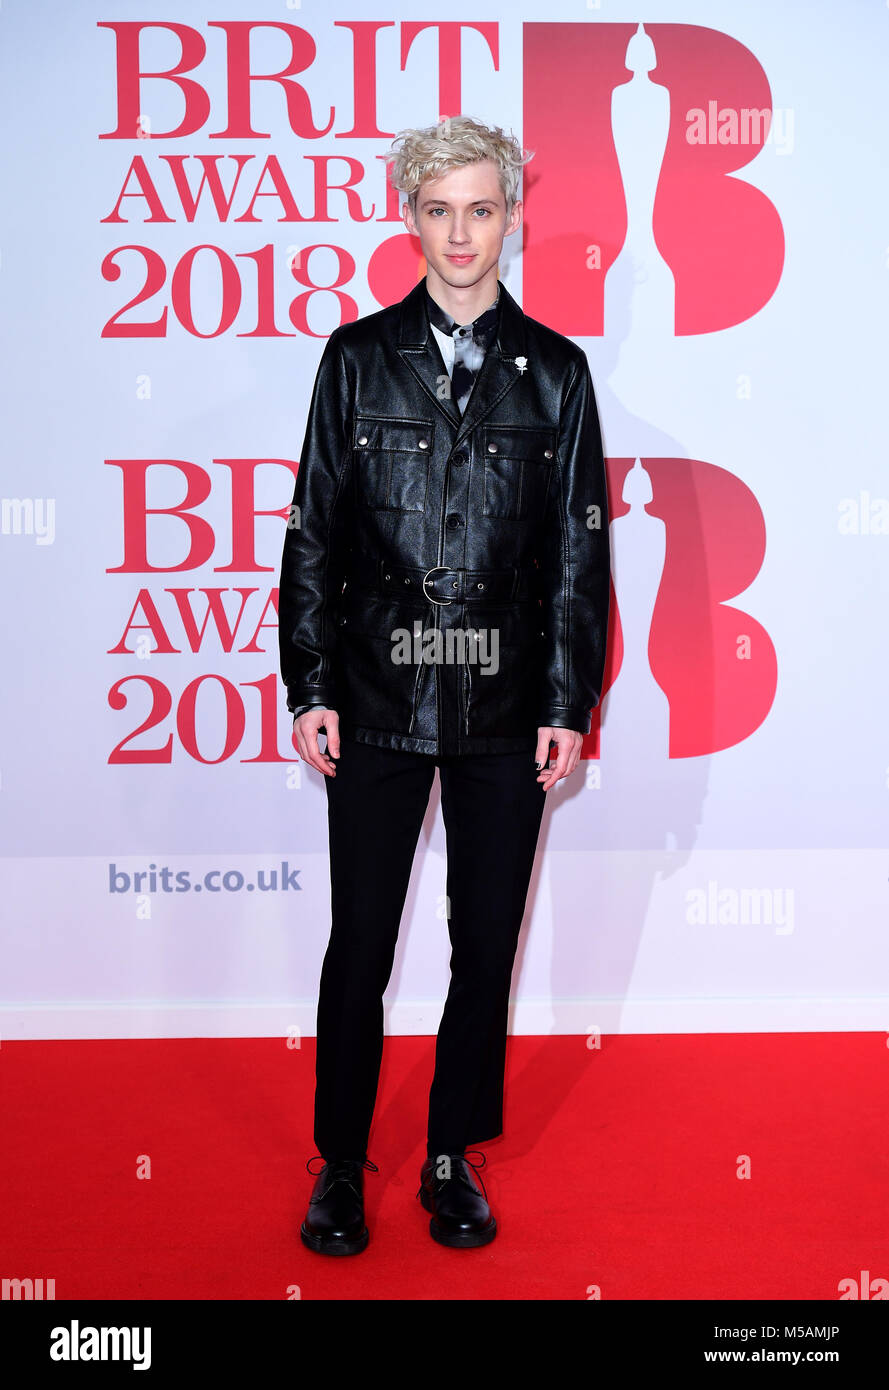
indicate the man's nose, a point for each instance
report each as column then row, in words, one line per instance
column 459, row 231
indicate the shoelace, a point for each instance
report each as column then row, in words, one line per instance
column 341, row 1170
column 462, row 1176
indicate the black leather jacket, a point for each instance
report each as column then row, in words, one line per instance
column 412, row 527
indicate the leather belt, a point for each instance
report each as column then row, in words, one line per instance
column 443, row 583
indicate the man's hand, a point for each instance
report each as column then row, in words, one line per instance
column 306, row 729
column 568, row 745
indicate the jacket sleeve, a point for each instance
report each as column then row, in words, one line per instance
column 575, row 564
column 316, row 542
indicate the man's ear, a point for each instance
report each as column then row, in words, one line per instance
column 515, row 217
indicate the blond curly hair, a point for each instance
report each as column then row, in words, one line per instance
column 417, row 155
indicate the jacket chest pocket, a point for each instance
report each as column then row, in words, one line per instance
column 391, row 460
column 517, row 469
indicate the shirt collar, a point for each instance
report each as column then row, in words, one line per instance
column 483, row 327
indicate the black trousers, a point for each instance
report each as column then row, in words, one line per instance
column 492, row 807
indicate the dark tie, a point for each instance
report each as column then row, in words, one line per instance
column 471, row 342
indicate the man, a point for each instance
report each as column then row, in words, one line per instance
column 443, row 603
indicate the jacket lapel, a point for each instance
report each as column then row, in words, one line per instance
column 497, row 374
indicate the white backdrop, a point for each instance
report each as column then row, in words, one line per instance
column 719, row 861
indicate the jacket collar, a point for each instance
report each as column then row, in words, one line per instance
column 497, row 374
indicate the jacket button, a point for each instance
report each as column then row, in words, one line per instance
column 459, row 458
column 362, row 439
column 492, row 448
column 423, row 443
column 479, row 586
column 453, row 520
column 387, row 576
column 547, row 453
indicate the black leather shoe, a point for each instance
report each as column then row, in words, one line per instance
column 334, row 1223
column 461, row 1216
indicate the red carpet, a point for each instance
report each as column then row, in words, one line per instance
column 618, row 1169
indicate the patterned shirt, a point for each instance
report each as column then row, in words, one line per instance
column 463, row 346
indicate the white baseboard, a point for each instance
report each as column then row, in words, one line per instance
column 421, row 1017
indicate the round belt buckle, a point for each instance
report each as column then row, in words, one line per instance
column 431, row 597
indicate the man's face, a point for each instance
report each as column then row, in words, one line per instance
column 461, row 222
